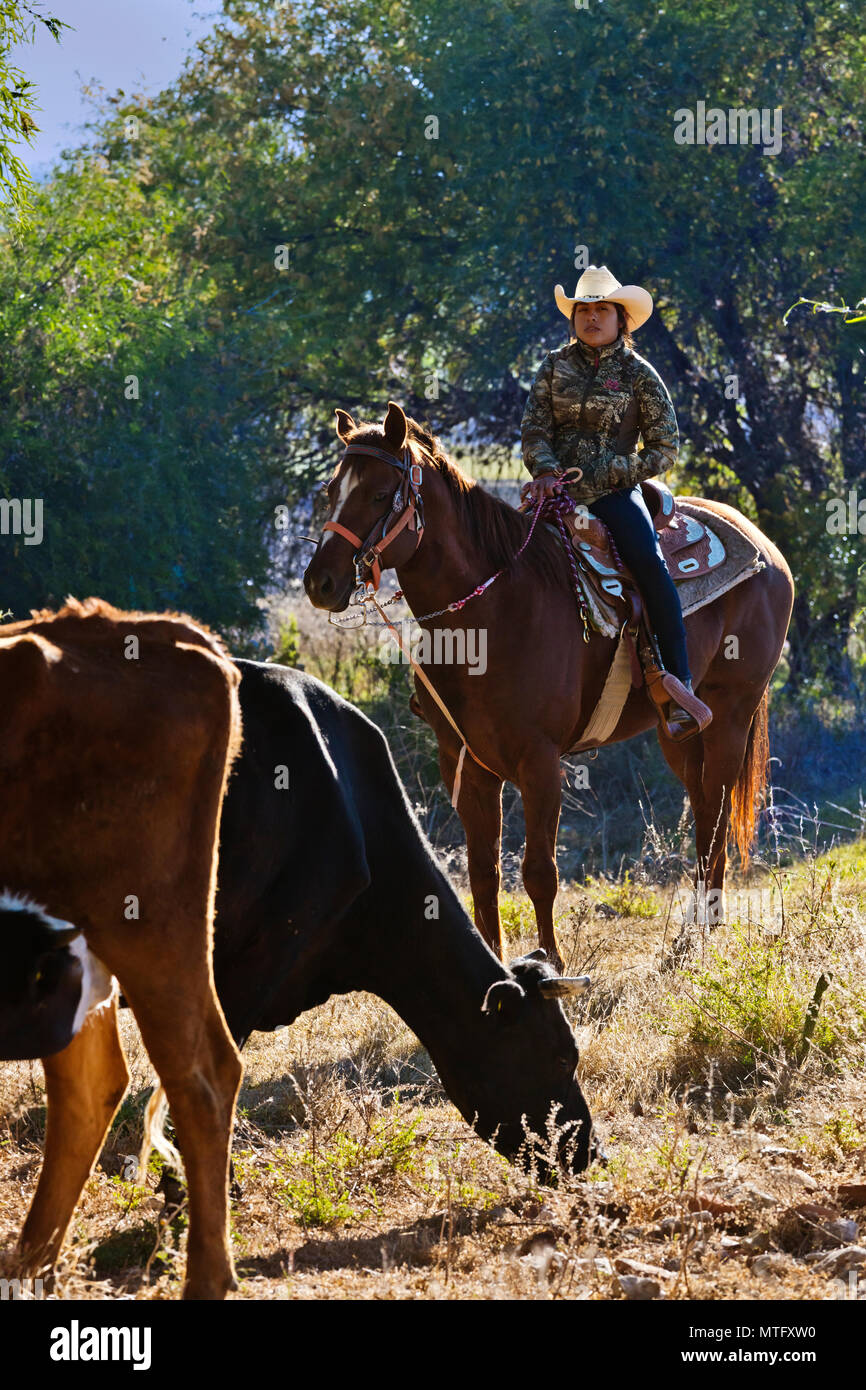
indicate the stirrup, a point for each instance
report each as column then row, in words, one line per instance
column 686, row 715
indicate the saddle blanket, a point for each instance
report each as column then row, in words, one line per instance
column 705, row 555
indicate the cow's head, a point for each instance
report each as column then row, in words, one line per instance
column 41, row 981
column 540, row 1095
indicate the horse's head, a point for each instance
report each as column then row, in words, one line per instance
column 373, row 508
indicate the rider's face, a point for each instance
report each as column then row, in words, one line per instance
column 595, row 324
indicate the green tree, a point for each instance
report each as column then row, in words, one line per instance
column 354, row 199
column 18, row 23
column 549, row 128
column 124, row 411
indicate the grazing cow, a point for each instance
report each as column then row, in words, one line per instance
column 116, row 733
column 327, row 885
column 50, row 981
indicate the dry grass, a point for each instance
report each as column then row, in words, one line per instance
column 726, row 1146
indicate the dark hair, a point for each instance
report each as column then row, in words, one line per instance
column 622, row 322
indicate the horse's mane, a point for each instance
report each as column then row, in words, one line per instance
column 494, row 530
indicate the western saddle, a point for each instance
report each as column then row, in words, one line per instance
column 690, row 549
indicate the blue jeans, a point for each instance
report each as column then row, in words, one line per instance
column 625, row 515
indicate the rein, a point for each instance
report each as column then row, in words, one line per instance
column 429, row 686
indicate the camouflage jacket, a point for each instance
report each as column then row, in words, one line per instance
column 586, row 408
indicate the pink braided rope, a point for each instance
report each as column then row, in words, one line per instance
column 558, row 507
column 480, row 588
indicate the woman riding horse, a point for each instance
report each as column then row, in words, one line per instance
column 588, row 403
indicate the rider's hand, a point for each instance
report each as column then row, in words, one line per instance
column 545, row 485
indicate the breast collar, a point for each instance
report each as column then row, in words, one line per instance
column 407, row 501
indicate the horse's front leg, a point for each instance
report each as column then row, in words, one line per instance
column 541, row 790
column 480, row 809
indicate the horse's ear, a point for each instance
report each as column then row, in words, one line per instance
column 345, row 424
column 395, row 426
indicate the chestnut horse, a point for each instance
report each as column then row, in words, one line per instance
column 542, row 680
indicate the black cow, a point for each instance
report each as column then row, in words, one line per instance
column 47, row 981
column 327, row 884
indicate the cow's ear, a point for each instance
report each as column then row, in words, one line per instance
column 395, row 426
column 503, row 1001
column 345, row 424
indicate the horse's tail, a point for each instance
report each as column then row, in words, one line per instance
column 752, row 781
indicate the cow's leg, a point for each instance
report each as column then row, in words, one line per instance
column 480, row 809
column 540, row 788
column 200, row 1069
column 85, row 1084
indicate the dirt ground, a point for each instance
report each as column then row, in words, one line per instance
column 735, row 1135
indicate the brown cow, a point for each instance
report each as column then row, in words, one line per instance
column 117, row 731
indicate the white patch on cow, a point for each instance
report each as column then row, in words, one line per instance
column 98, row 986
column 19, row 902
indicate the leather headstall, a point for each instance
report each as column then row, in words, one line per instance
column 407, row 502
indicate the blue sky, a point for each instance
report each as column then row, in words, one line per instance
column 138, row 45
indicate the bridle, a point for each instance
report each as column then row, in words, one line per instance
column 407, row 501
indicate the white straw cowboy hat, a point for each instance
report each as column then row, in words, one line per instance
column 597, row 283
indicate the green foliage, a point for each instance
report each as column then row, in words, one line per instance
column 122, row 414
column 818, row 307
column 676, row 1158
column 516, row 915
column 287, row 648
column 128, row 1195
column 748, row 1005
column 335, row 1183
column 287, row 231
column 627, row 898
column 18, row 98
column 843, row 1135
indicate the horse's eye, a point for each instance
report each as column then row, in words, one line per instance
column 381, row 497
